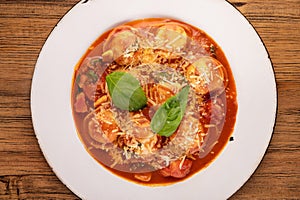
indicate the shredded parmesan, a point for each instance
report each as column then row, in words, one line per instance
column 182, row 161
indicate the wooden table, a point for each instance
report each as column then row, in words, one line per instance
column 24, row 27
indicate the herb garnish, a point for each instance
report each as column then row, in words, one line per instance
column 169, row 115
column 125, row 91
column 92, row 75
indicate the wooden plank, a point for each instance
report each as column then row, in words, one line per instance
column 33, row 187
column 272, row 180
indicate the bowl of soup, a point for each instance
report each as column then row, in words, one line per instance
column 153, row 100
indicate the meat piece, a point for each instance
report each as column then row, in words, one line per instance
column 82, row 79
column 80, row 104
column 90, row 90
column 177, row 169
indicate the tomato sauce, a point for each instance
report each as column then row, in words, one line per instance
column 228, row 97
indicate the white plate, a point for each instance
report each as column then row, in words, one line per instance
column 51, row 92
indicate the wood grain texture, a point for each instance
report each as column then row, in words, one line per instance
column 24, row 27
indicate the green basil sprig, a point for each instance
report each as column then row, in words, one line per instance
column 169, row 115
column 125, row 91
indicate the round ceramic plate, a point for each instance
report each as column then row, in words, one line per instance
column 52, row 111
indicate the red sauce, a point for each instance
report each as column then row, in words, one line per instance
column 210, row 48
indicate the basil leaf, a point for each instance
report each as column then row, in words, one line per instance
column 125, row 91
column 169, row 115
